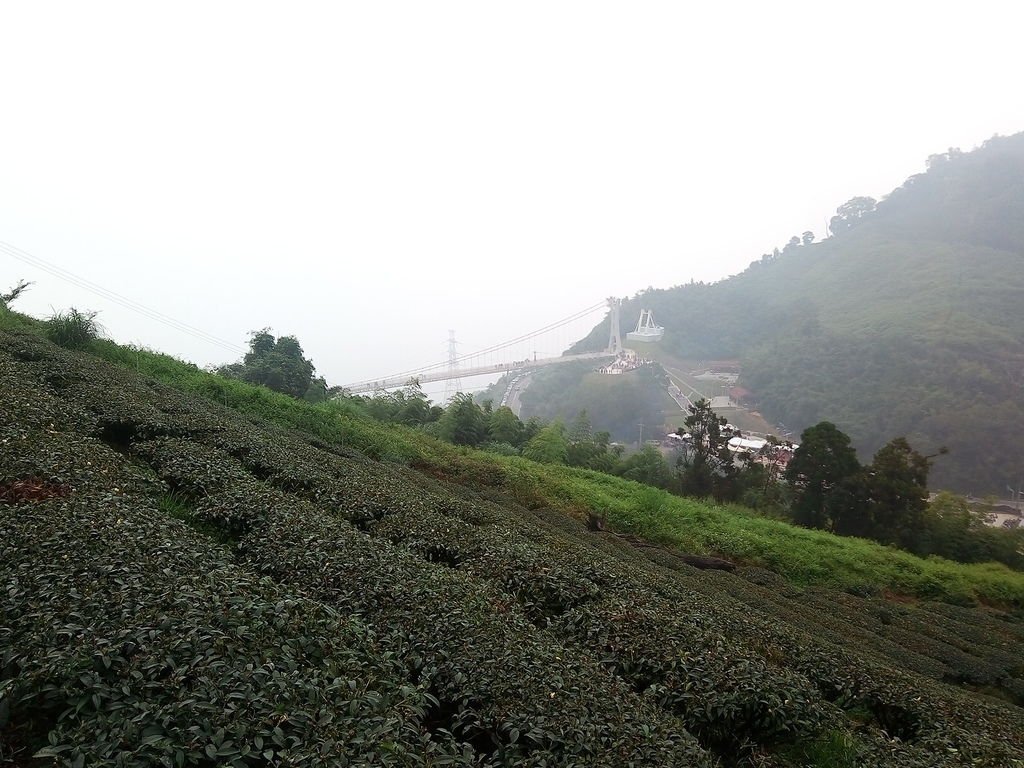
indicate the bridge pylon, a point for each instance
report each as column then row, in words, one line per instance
column 614, row 332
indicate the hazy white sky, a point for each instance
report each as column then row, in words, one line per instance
column 368, row 175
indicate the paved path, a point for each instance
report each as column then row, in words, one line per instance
column 515, row 390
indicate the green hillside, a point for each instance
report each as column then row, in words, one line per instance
column 909, row 320
column 615, row 404
column 198, row 571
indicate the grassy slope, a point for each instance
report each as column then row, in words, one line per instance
column 803, row 556
column 497, row 606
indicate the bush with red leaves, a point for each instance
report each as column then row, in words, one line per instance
column 30, row 489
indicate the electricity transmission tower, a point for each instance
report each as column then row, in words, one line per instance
column 453, row 385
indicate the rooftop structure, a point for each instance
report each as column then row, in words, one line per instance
column 646, row 328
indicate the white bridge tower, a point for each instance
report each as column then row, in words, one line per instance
column 614, row 332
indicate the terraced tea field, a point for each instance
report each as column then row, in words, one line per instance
column 186, row 585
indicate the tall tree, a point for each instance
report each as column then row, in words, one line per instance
column 647, row 466
column 464, row 422
column 532, row 426
column 413, row 406
column 261, row 344
column 581, row 430
column 278, row 364
column 898, row 487
column 549, row 445
column 707, row 466
column 821, row 474
column 589, row 449
column 851, row 213
column 505, row 427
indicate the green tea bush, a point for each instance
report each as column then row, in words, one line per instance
column 481, row 629
column 292, row 541
column 129, row 641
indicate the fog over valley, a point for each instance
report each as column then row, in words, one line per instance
column 367, row 179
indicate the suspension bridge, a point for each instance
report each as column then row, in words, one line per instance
column 501, row 358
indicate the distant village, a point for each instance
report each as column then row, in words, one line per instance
column 998, row 513
column 773, row 453
column 745, row 447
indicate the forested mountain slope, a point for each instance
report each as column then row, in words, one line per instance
column 909, row 320
column 615, row 404
column 185, row 584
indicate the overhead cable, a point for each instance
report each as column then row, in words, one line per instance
column 116, row 298
column 497, row 347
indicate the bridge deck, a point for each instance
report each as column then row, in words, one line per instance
column 463, row 373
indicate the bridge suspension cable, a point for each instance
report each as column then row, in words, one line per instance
column 412, row 373
column 527, row 336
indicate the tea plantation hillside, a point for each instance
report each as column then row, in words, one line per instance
column 187, row 585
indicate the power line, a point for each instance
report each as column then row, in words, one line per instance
column 545, row 329
column 116, row 298
column 496, row 348
column 198, row 333
column 502, row 345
